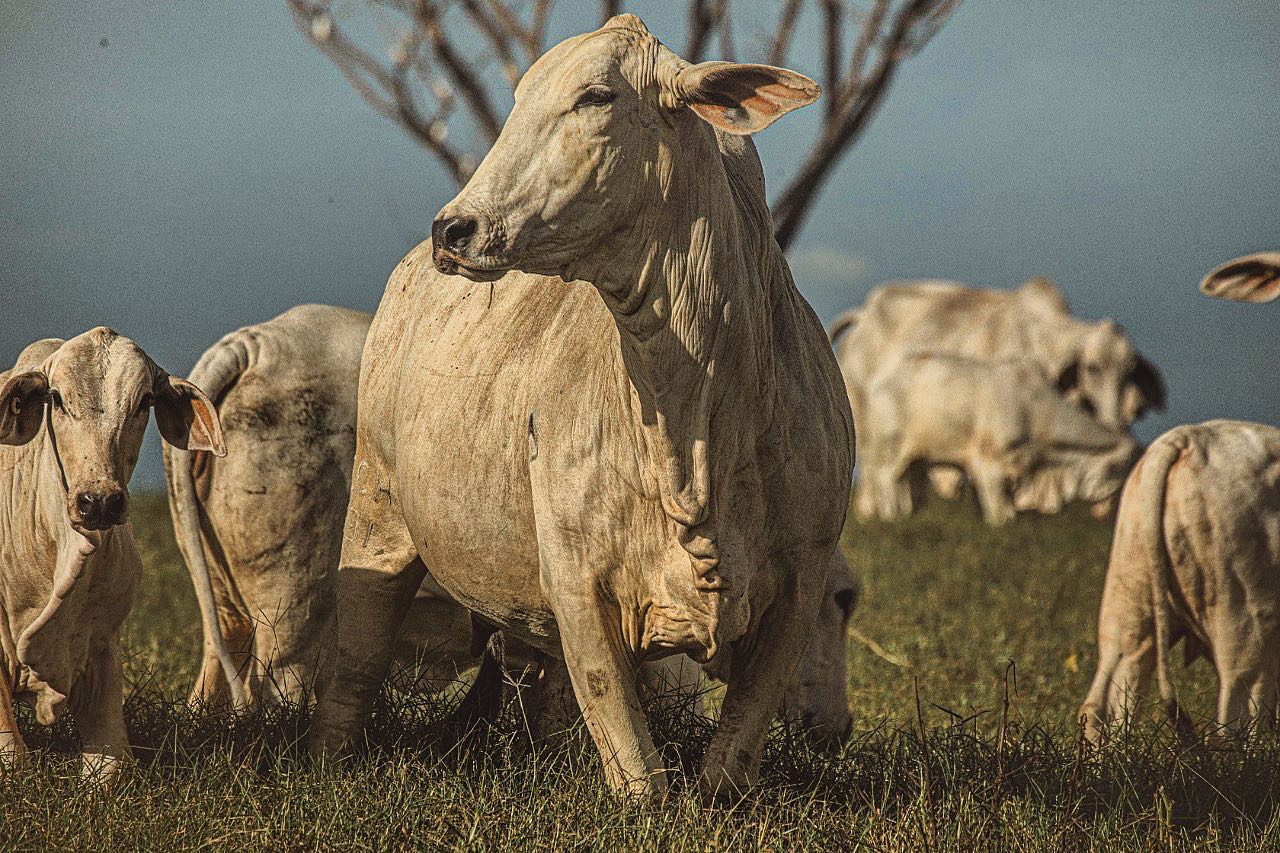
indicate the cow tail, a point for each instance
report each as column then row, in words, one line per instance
column 215, row 373
column 1151, row 492
column 844, row 323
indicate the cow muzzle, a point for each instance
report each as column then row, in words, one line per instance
column 463, row 245
column 98, row 507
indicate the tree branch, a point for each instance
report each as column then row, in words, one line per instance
column 786, row 27
column 460, row 74
column 386, row 91
column 913, row 25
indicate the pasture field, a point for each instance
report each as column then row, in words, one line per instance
column 973, row 648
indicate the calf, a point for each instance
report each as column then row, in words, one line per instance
column 1021, row 443
column 73, row 414
column 1196, row 556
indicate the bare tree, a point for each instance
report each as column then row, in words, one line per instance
column 429, row 87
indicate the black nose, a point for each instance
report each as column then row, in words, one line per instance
column 100, row 509
column 453, row 233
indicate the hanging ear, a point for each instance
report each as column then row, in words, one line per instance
column 1068, row 378
column 1146, row 378
column 22, row 406
column 1253, row 278
column 740, row 98
column 186, row 418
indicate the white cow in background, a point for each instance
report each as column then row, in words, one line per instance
column 1022, row 445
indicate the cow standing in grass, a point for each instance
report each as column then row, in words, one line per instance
column 1196, row 556
column 598, row 411
column 72, row 416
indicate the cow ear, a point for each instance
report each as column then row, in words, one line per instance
column 742, row 98
column 22, row 406
column 1150, row 385
column 1253, row 278
column 186, row 417
column 1068, row 378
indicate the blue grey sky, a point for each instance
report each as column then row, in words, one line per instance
column 207, row 169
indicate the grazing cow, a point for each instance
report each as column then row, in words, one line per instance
column 1092, row 364
column 1013, row 436
column 1253, row 278
column 73, row 413
column 1196, row 556
column 596, row 409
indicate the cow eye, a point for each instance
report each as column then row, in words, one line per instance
column 844, row 599
column 596, row 96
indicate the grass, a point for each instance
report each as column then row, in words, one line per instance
column 968, row 743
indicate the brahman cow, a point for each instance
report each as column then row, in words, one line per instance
column 73, row 414
column 999, row 422
column 596, row 409
column 261, row 528
column 1092, row 364
column 1196, row 556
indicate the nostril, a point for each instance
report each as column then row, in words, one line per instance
column 113, row 505
column 453, row 233
column 86, row 503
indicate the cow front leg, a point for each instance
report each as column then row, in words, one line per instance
column 604, row 677
column 100, row 716
column 992, row 486
column 12, row 748
column 371, row 604
column 761, row 669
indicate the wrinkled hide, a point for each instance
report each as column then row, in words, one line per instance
column 1023, row 446
column 1196, row 556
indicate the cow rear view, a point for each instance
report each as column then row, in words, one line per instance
column 1196, row 557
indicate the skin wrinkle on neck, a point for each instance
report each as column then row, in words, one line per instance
column 694, row 327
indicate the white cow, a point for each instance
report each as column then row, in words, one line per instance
column 596, row 409
column 1196, row 556
column 999, row 422
column 72, row 415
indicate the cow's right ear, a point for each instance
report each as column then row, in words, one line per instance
column 187, row 418
column 22, row 406
column 1253, row 278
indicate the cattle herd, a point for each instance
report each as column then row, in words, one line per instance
column 594, row 434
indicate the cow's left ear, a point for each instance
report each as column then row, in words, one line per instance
column 22, row 406
column 1253, row 278
column 742, row 98
column 186, row 417
column 1146, row 377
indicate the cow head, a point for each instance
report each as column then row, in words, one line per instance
column 820, row 701
column 1253, row 278
column 1081, row 460
column 95, row 394
column 1110, row 379
column 586, row 156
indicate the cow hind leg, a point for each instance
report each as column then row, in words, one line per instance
column 1124, row 671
